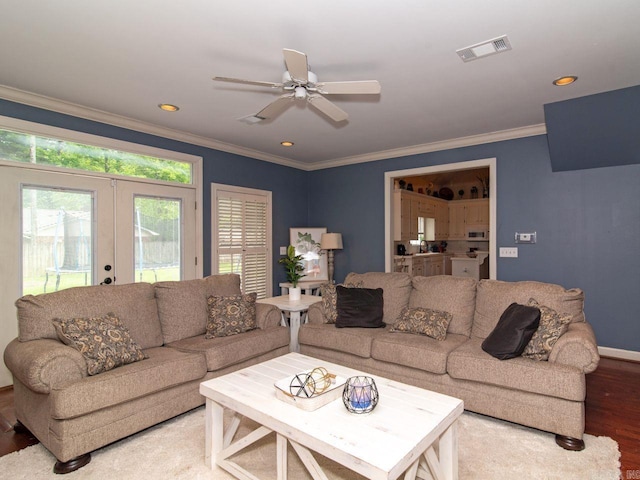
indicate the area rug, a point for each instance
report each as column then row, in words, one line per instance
column 488, row 449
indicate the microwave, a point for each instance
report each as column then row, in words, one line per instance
column 477, row 233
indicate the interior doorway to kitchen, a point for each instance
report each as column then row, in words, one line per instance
column 390, row 181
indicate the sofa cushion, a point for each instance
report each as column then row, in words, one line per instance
column 163, row 368
column 416, row 351
column 182, row 305
column 221, row 352
column 396, row 289
column 356, row 341
column 359, row 307
column 513, row 332
column 104, row 342
column 456, row 295
column 231, row 314
column 134, row 304
column 494, row 296
column 470, row 362
column 329, row 302
column 552, row 327
column 423, row 321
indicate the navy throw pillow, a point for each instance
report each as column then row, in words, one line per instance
column 359, row 307
column 513, row 332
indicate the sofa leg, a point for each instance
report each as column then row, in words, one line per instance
column 71, row 465
column 18, row 427
column 570, row 443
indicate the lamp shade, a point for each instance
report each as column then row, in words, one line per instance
column 331, row 241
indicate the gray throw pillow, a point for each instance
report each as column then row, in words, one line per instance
column 552, row 327
column 231, row 314
column 423, row 321
column 103, row 341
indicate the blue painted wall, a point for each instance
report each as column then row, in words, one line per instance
column 289, row 185
column 587, row 223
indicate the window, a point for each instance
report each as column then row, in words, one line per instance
column 242, row 236
column 41, row 150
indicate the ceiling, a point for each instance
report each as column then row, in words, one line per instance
column 120, row 59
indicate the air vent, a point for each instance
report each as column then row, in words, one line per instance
column 483, row 49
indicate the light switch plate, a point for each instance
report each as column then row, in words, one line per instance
column 511, row 252
column 283, row 250
column 526, row 237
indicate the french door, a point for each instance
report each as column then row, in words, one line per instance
column 61, row 230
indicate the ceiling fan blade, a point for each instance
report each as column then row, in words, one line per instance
column 276, row 107
column 370, row 87
column 297, row 65
column 247, row 82
column 328, row 108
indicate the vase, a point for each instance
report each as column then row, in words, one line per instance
column 294, row 294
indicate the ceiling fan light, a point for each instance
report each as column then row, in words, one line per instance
column 566, row 80
column 300, row 92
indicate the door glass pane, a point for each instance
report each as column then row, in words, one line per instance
column 158, row 238
column 57, row 239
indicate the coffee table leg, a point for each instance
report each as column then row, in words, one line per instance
column 214, row 431
column 448, row 452
column 444, row 464
column 281, row 453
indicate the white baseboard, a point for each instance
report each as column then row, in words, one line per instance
column 618, row 353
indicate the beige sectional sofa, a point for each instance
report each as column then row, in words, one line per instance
column 548, row 395
column 72, row 413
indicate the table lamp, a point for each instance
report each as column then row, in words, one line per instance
column 331, row 242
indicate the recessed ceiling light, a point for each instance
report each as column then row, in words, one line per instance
column 287, row 143
column 562, row 81
column 167, row 107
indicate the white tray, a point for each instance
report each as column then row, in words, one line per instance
column 315, row 401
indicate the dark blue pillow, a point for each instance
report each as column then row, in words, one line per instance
column 515, row 328
column 359, row 307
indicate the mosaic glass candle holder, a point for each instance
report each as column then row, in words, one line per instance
column 360, row 394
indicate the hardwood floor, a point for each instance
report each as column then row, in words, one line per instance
column 612, row 409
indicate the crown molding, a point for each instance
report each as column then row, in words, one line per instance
column 502, row 135
column 68, row 108
column 73, row 109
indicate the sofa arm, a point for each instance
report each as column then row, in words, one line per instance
column 577, row 348
column 316, row 313
column 44, row 364
column 267, row 316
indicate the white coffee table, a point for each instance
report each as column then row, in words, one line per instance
column 295, row 308
column 412, row 431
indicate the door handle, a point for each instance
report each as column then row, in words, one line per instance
column 106, row 281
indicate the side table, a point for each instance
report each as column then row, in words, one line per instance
column 295, row 308
column 307, row 287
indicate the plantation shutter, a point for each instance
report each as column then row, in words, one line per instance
column 242, row 235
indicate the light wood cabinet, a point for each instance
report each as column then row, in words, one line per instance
column 456, row 221
column 477, row 213
column 467, row 212
column 405, row 222
column 442, row 221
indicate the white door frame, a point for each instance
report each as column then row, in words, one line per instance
column 450, row 167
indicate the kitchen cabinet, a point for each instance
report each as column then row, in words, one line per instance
column 433, row 266
column 442, row 220
column 477, row 212
column 456, row 221
column 405, row 218
column 467, row 212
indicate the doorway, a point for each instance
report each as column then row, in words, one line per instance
column 62, row 230
column 391, row 177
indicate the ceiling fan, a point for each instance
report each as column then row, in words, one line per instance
column 300, row 83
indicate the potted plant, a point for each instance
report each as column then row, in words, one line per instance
column 293, row 267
